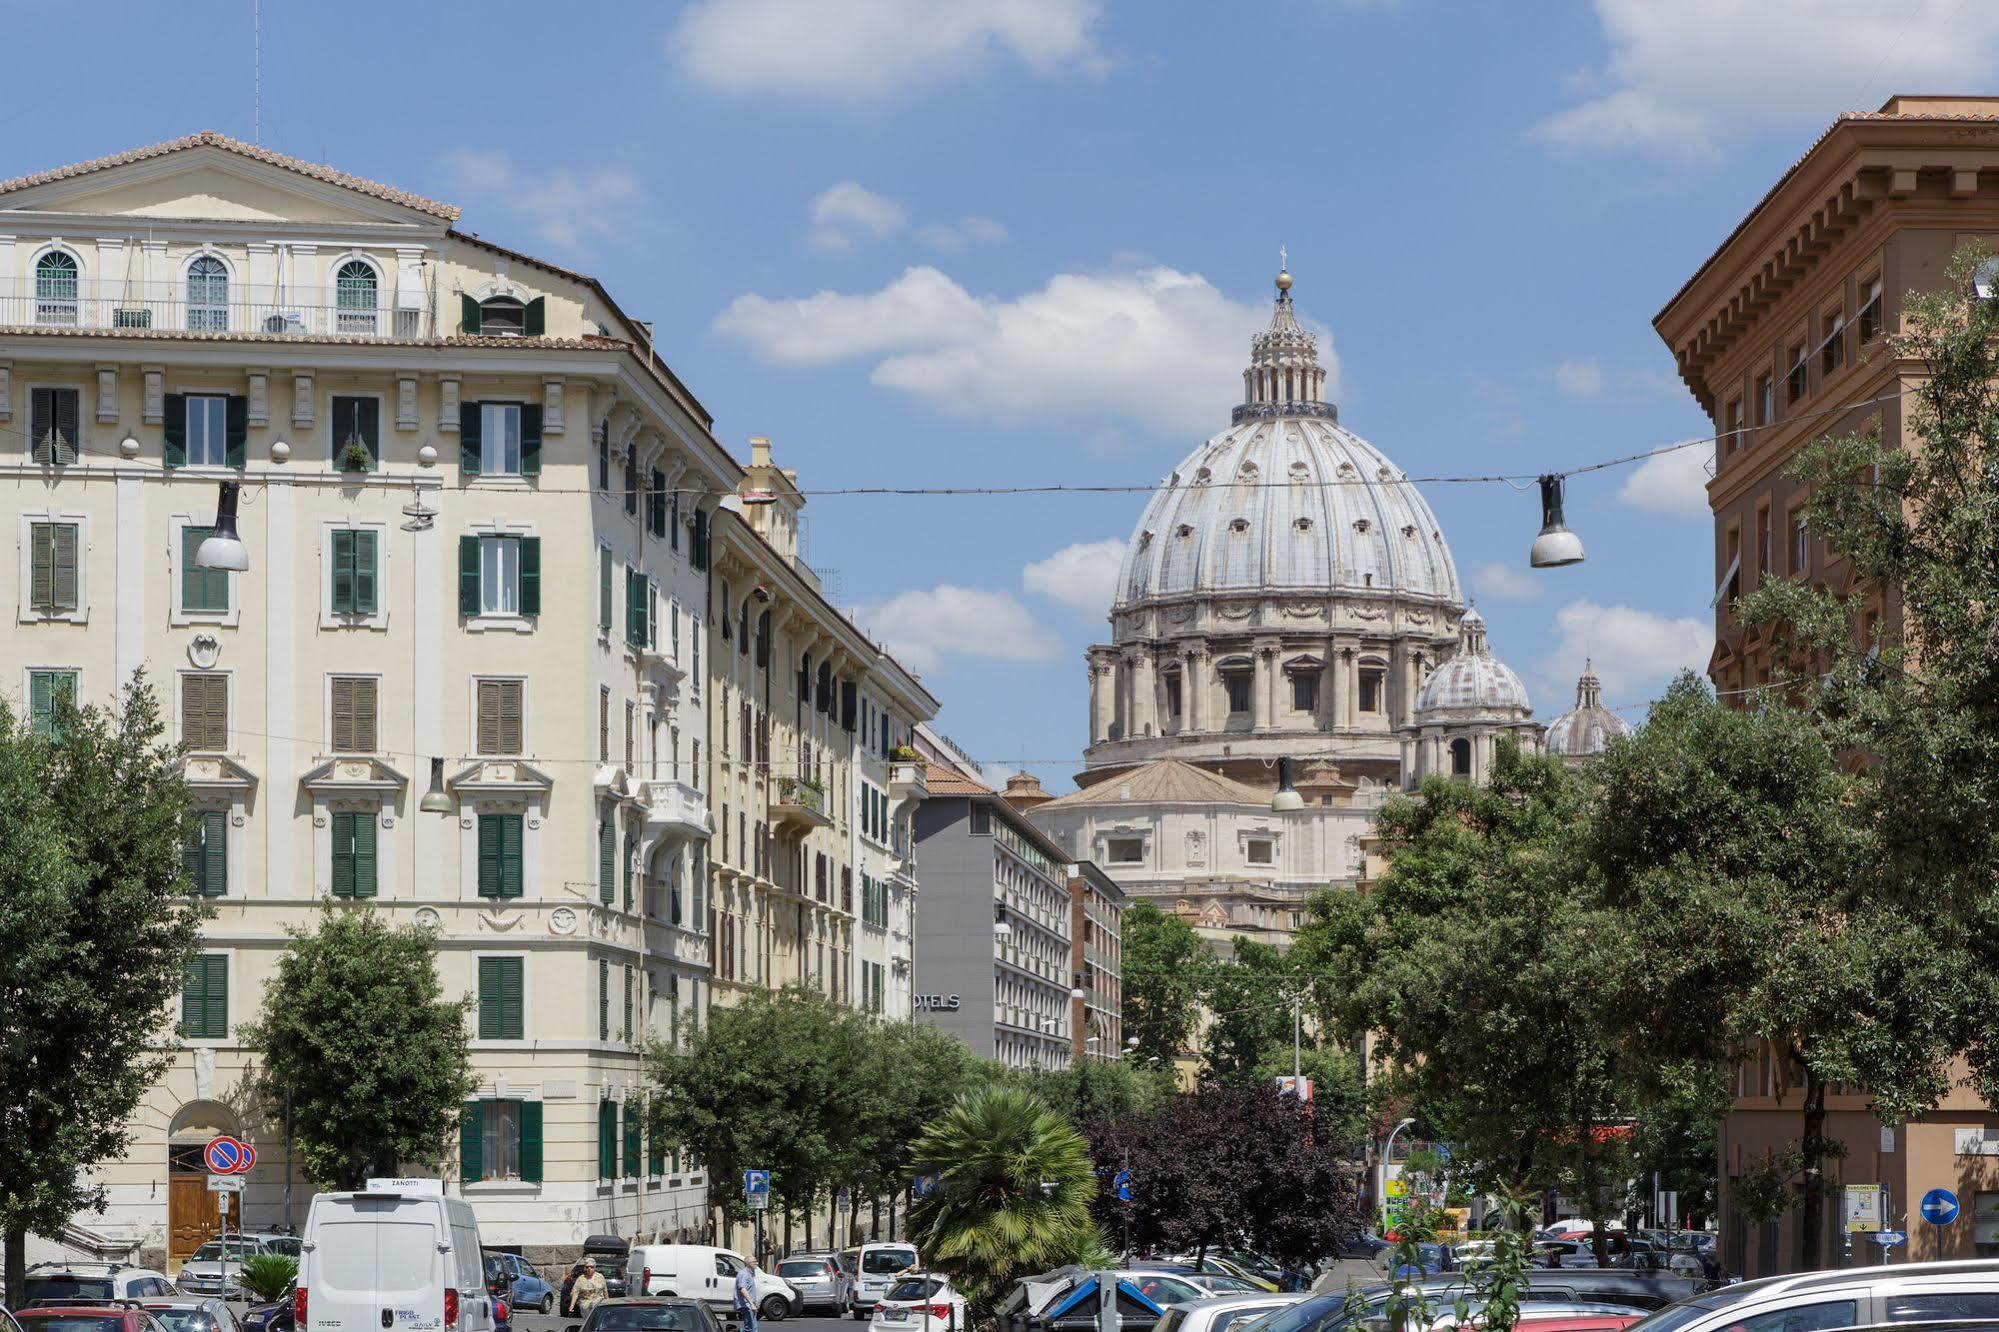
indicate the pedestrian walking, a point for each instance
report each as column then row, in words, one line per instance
column 746, row 1295
column 569, row 1289
column 591, row 1288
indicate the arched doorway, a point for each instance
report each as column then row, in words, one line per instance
column 192, row 1214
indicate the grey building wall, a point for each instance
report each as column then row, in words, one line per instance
column 954, row 924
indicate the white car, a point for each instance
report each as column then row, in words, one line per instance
column 1855, row 1297
column 1222, row 1313
column 919, row 1302
column 65, row 1283
column 871, row 1269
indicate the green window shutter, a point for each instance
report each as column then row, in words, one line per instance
column 204, row 998
column 343, row 569
column 606, row 856
column 176, row 430
column 530, row 575
column 214, row 853
column 510, row 855
column 471, row 1166
column 42, row 567
column 200, row 589
column 468, row 575
column 534, row 323
column 604, row 587
column 236, row 415
column 193, row 996
column 490, row 1016
column 603, row 1000
column 513, row 999
column 632, row 1138
column 364, row 855
column 530, row 439
column 468, row 438
column 63, row 579
column 364, row 571
column 607, row 1132
column 468, row 314
column 634, row 609
column 628, row 863
column 529, row 1115
column 343, row 855
column 490, row 870
column 655, row 1148
column 628, row 1021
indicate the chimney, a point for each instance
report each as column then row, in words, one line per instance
column 759, row 451
column 1023, row 792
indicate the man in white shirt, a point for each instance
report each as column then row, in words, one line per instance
column 746, row 1295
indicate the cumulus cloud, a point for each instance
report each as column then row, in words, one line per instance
column 1151, row 345
column 1636, row 652
column 1683, row 79
column 843, row 210
column 965, row 232
column 923, row 626
column 1082, row 576
column 877, row 50
column 1672, row 483
column 1587, row 378
column 563, row 206
column 1580, row 379
column 1503, row 582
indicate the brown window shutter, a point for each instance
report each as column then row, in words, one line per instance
column 353, row 716
column 489, row 716
column 342, row 739
column 510, row 717
column 364, row 716
column 204, row 713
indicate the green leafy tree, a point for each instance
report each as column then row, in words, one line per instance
column 1163, row 958
column 1344, row 1105
column 355, row 1030
column 911, row 1075
column 96, row 930
column 1091, row 1091
column 1247, row 1006
column 1013, row 1192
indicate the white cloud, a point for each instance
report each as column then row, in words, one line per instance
column 1083, row 576
column 1672, row 483
column 1503, row 582
column 1636, row 652
column 849, row 207
column 565, row 207
column 1684, row 78
column 876, row 50
column 924, row 625
column 1580, row 379
column 965, row 232
column 1152, row 345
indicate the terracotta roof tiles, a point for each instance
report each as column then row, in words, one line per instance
column 1164, row 782
column 945, row 780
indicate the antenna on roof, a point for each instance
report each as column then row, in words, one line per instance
column 257, row 72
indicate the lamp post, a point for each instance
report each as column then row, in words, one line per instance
column 1381, row 1174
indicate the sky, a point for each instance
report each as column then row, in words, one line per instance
column 1025, row 242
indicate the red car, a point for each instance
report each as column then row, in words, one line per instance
column 1579, row 1322
column 87, row 1318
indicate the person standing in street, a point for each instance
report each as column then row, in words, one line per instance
column 746, row 1295
column 591, row 1288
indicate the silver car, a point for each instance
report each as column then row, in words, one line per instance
column 193, row 1313
column 216, row 1268
column 818, row 1279
column 1222, row 1312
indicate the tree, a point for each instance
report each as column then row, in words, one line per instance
column 356, row 1033
column 1012, row 1197
column 1231, row 1165
column 1342, row 1103
column 1091, row 1091
column 911, row 1075
column 1778, row 934
column 1476, row 962
column 1247, row 1001
column 1162, row 962
column 96, row 931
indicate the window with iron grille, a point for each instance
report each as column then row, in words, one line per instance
column 207, row 295
column 56, row 287
column 354, row 298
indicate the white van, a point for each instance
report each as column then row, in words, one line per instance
column 701, row 1272
column 399, row 1256
column 871, row 1270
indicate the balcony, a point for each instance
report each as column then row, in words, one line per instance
column 310, row 312
column 907, row 782
column 798, row 804
column 674, row 809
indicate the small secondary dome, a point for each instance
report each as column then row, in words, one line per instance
column 1474, row 684
column 1587, row 729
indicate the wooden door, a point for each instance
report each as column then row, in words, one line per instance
column 192, row 1217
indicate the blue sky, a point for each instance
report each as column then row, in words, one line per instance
column 961, row 242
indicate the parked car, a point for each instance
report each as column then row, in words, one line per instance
column 1559, row 1316
column 7, row 1323
column 1638, row 1291
column 216, row 1268
column 818, row 1279
column 1221, row 1313
column 277, row 1316
column 1213, row 1283
column 514, row 1279
column 1218, row 1265
column 1855, row 1297
column 1430, row 1260
column 59, row 1317
column 398, row 1255
column 704, row 1272
column 873, row 1269
column 613, row 1257
column 55, row 1283
column 193, row 1313
column 649, row 1315
column 919, row 1302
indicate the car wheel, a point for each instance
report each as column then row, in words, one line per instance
column 774, row 1309
column 548, row 1304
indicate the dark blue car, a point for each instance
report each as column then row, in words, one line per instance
column 512, row 1278
column 1431, row 1259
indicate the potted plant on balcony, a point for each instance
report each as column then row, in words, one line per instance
column 905, row 754
column 354, row 456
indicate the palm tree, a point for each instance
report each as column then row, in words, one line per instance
column 1013, row 1187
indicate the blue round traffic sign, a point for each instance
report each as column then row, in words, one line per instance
column 1939, row 1207
column 224, row 1154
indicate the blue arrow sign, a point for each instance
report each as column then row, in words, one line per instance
column 923, row 1185
column 756, row 1183
column 1939, row 1207
column 1121, row 1185
column 1888, row 1239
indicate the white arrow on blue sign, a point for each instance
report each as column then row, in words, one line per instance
column 1888, row 1239
column 1939, row 1207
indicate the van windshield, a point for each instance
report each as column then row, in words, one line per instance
column 887, row 1262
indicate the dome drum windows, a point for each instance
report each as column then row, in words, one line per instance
column 1373, row 676
column 1460, row 757
column 1238, row 676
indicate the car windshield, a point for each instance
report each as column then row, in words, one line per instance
column 1319, row 1314
column 213, row 1251
column 802, row 1267
column 887, row 1262
column 1165, row 1289
column 1676, row 1316
column 915, row 1288
column 73, row 1323
column 64, row 1286
column 184, row 1320
column 645, row 1318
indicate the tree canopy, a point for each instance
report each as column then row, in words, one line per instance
column 1163, row 959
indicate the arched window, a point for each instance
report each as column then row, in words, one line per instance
column 354, row 298
column 207, row 295
column 1460, row 757
column 56, row 288
column 502, row 316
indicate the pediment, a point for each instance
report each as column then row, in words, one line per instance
column 498, row 776
column 213, row 179
column 217, row 772
column 353, row 775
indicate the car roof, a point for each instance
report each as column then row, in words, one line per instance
column 648, row 1300
column 1238, row 1300
column 176, row 1301
column 117, row 1308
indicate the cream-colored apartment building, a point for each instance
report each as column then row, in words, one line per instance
column 435, row 436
